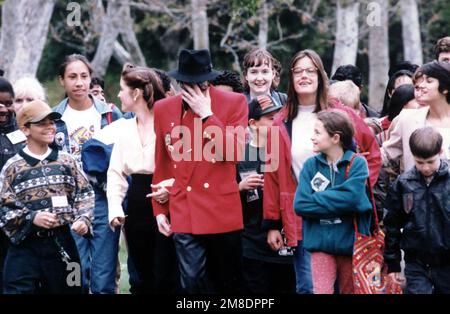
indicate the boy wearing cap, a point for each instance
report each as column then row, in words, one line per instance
column 265, row 271
column 43, row 191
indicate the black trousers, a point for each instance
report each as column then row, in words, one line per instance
column 422, row 278
column 4, row 242
column 35, row 265
column 210, row 263
column 152, row 253
column 263, row 277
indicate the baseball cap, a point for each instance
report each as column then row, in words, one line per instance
column 262, row 105
column 35, row 111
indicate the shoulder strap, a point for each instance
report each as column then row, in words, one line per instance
column 347, row 169
column 109, row 114
column 371, row 196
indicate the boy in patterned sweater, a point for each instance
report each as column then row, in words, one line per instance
column 42, row 192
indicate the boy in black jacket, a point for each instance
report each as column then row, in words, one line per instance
column 419, row 203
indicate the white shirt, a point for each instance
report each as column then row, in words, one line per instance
column 81, row 126
column 302, row 132
column 27, row 151
column 445, row 132
column 129, row 156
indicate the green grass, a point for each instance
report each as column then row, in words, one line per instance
column 124, row 286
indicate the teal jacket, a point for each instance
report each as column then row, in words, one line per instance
column 328, row 202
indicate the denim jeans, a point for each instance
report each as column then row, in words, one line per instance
column 98, row 254
column 302, row 266
column 426, row 279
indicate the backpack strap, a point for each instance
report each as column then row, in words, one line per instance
column 109, row 116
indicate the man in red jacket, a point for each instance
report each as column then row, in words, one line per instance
column 199, row 139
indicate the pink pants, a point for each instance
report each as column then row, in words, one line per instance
column 326, row 268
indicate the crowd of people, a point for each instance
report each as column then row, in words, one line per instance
column 223, row 184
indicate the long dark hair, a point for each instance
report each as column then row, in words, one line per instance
column 401, row 96
column 322, row 89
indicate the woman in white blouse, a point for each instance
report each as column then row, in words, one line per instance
column 133, row 157
column 432, row 91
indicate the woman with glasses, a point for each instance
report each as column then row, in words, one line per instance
column 307, row 95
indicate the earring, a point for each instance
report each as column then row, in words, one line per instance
column 135, row 98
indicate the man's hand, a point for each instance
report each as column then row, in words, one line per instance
column 251, row 182
column 80, row 227
column 199, row 102
column 274, row 239
column 159, row 194
column 46, row 220
column 164, row 225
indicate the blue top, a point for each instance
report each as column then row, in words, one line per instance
column 328, row 202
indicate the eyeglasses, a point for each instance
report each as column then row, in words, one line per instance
column 308, row 71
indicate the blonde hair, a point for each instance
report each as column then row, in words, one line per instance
column 347, row 92
column 29, row 85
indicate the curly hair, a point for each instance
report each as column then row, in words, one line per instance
column 231, row 79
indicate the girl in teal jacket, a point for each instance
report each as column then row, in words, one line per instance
column 328, row 202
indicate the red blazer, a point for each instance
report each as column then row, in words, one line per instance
column 205, row 196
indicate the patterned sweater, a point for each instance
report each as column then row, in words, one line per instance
column 27, row 186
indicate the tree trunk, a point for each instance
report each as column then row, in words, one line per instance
column 263, row 25
column 130, row 41
column 112, row 22
column 23, row 36
column 412, row 44
column 378, row 53
column 120, row 54
column 346, row 47
column 199, row 24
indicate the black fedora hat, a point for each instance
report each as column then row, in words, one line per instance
column 194, row 66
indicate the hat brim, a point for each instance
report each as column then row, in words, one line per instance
column 51, row 115
column 266, row 112
column 270, row 110
column 194, row 79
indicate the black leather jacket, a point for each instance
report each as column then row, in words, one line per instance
column 423, row 211
column 7, row 149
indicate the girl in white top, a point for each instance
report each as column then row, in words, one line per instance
column 133, row 156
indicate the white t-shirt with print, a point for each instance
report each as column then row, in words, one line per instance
column 81, row 126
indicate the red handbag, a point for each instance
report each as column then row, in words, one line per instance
column 369, row 270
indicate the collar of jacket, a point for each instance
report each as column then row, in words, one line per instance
column 33, row 161
column 99, row 105
column 345, row 158
column 415, row 174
